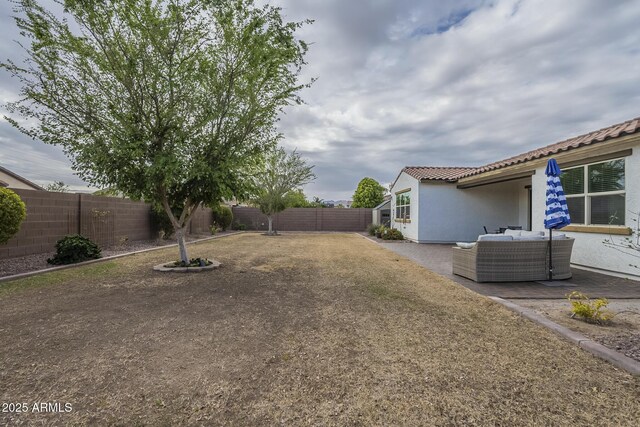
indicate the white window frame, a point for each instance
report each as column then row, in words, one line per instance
column 586, row 195
column 405, row 207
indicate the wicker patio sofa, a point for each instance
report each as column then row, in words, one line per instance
column 513, row 261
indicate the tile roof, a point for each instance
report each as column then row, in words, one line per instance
column 437, row 173
column 452, row 174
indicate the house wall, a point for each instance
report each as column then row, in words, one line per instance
column 589, row 249
column 449, row 214
column 14, row 183
column 409, row 229
column 523, row 205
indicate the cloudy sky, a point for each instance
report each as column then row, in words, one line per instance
column 426, row 82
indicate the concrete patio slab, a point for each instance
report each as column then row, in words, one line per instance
column 437, row 258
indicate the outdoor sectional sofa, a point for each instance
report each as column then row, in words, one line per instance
column 523, row 259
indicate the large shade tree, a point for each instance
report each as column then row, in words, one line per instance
column 280, row 175
column 164, row 100
column 369, row 194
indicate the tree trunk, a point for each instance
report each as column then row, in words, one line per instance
column 270, row 218
column 180, row 233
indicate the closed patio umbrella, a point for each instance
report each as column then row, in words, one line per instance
column 556, row 214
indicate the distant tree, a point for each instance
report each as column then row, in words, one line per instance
column 57, row 187
column 317, row 202
column 281, row 174
column 12, row 213
column 221, row 215
column 296, row 199
column 166, row 101
column 369, row 194
column 340, row 205
column 107, row 192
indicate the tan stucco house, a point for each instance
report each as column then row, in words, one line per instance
column 10, row 179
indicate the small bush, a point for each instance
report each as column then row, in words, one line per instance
column 392, row 234
column 74, row 248
column 379, row 230
column 222, row 216
column 588, row 310
column 12, row 213
column 371, row 229
column 161, row 223
column 238, row 226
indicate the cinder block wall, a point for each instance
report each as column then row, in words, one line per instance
column 306, row 219
column 105, row 220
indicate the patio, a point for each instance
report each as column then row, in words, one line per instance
column 437, row 258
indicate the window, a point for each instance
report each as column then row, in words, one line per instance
column 596, row 193
column 403, row 206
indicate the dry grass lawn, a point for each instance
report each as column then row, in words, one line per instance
column 322, row 329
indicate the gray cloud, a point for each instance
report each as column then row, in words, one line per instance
column 417, row 82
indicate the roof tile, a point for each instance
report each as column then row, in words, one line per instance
column 452, row 174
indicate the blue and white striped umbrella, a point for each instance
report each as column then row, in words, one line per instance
column 556, row 214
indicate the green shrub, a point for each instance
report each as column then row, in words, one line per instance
column 160, row 222
column 588, row 310
column 371, row 229
column 392, row 234
column 74, row 248
column 12, row 213
column 222, row 216
column 379, row 230
column 238, row 226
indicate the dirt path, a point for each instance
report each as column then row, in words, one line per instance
column 295, row 329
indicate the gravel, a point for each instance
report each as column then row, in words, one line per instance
column 35, row 262
column 629, row 345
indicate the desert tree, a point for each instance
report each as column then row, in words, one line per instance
column 279, row 175
column 163, row 100
column 369, row 194
column 296, row 199
column 57, row 187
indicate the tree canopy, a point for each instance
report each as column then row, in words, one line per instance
column 281, row 174
column 57, row 187
column 164, row 100
column 296, row 199
column 369, row 194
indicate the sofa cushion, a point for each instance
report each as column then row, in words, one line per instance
column 556, row 235
column 464, row 245
column 532, row 234
column 509, row 232
column 494, row 237
column 529, row 238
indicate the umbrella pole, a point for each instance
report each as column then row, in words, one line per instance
column 550, row 255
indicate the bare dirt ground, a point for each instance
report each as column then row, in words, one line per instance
column 294, row 330
column 621, row 334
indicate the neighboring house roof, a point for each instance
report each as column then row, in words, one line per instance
column 19, row 178
column 452, row 174
column 436, row 173
column 381, row 205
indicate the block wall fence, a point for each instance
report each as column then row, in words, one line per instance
column 110, row 221
column 107, row 221
column 306, row 219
